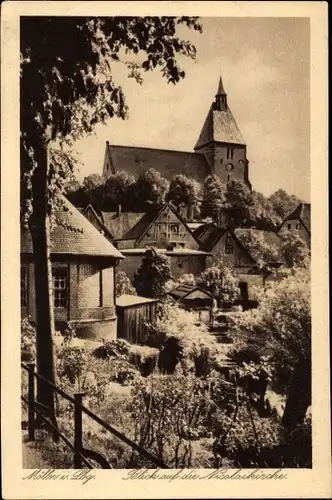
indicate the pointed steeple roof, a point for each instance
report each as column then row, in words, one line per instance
column 220, row 125
column 221, row 90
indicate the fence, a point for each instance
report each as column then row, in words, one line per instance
column 81, row 454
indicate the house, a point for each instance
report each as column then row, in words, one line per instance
column 162, row 228
column 133, row 314
column 83, row 264
column 220, row 149
column 196, row 300
column 299, row 220
column 222, row 242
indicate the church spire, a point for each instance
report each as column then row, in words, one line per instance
column 220, row 103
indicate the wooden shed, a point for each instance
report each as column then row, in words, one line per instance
column 195, row 299
column 133, row 313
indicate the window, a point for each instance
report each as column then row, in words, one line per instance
column 229, row 248
column 228, row 178
column 289, row 226
column 297, row 226
column 232, row 153
column 228, row 150
column 180, row 265
column 221, row 161
column 175, row 228
column 182, row 245
column 60, row 287
column 24, row 287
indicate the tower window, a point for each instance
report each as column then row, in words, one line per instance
column 227, row 153
column 228, row 178
column 232, row 153
column 60, row 287
column 221, row 161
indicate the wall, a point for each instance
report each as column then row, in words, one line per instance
column 239, row 258
column 295, row 225
column 238, row 171
column 253, row 280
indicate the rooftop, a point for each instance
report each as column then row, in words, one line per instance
column 132, row 300
column 184, row 290
column 73, row 234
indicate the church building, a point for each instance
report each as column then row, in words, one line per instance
column 220, row 149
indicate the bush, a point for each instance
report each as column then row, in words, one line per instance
column 112, row 349
column 144, row 358
column 28, row 341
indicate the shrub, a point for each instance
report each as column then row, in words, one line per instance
column 112, row 349
column 28, row 341
column 144, row 358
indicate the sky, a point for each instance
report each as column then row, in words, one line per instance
column 265, row 67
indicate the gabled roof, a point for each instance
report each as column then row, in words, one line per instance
column 103, row 226
column 303, row 213
column 208, row 235
column 73, row 235
column 140, row 229
column 220, row 126
column 136, row 160
column 120, row 223
column 183, row 290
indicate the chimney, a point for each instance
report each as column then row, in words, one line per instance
column 119, row 210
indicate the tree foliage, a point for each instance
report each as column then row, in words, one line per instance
column 238, row 200
column 184, row 190
column 221, row 282
column 259, row 248
column 152, row 275
column 283, row 203
column 294, row 249
column 213, row 198
column 123, row 285
column 151, row 188
column 117, row 190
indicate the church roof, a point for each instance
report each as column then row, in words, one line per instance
column 220, row 90
column 136, row 160
column 73, row 234
column 220, row 126
column 302, row 212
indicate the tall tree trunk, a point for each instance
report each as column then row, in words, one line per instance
column 40, row 232
column 299, row 395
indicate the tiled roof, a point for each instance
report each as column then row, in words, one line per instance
column 132, row 300
column 270, row 237
column 302, row 212
column 142, row 225
column 136, row 160
column 120, row 224
column 73, row 235
column 220, row 126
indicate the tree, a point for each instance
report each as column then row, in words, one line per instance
column 238, row 200
column 294, row 249
column 262, row 214
column 117, row 190
column 151, row 188
column 283, row 203
column 64, row 94
column 221, row 282
column 123, row 285
column 184, row 190
column 213, row 197
column 280, row 328
column 260, row 250
column 152, row 275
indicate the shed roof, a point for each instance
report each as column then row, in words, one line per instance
column 132, row 300
column 73, row 235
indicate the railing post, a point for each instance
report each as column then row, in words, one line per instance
column 78, row 438
column 31, row 401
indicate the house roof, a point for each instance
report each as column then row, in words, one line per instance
column 120, row 224
column 220, row 126
column 270, row 238
column 183, row 290
column 303, row 213
column 73, row 234
column 132, row 300
column 99, row 219
column 175, row 251
column 208, row 235
column 136, row 160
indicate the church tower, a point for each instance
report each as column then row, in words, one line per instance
column 222, row 143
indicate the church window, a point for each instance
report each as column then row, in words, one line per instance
column 232, row 153
column 24, row 286
column 228, row 149
column 228, row 178
column 60, row 287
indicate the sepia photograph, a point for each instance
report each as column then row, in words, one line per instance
column 165, row 246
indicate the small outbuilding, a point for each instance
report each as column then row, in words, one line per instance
column 195, row 299
column 83, row 264
column 133, row 314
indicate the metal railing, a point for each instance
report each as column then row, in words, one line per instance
column 81, row 454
